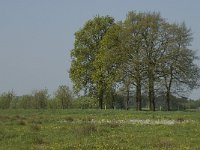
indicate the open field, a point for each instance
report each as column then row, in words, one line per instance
column 98, row 129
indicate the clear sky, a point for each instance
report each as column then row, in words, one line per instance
column 36, row 36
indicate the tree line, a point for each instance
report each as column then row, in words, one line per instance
column 39, row 99
column 144, row 55
column 63, row 98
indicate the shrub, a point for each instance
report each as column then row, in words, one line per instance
column 85, row 102
column 6, row 99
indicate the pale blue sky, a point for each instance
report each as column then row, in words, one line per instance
column 36, row 36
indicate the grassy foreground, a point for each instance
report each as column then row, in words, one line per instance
column 98, row 129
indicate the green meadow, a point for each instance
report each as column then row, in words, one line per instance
column 74, row 129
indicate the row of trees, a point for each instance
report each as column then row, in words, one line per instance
column 40, row 99
column 63, row 99
column 144, row 55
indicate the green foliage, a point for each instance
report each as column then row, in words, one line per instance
column 63, row 96
column 143, row 53
column 6, row 99
column 26, row 102
column 40, row 98
column 86, row 47
column 53, row 103
column 85, row 102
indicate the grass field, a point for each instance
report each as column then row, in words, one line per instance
column 98, row 129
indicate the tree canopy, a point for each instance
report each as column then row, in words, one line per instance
column 144, row 55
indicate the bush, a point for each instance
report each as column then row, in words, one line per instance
column 6, row 99
column 85, row 102
column 26, row 102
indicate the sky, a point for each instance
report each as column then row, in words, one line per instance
column 36, row 36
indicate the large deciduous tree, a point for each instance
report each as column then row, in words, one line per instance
column 108, row 62
column 179, row 73
column 86, row 46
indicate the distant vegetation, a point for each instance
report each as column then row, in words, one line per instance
column 64, row 99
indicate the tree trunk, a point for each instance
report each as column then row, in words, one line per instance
column 151, row 94
column 62, row 103
column 127, row 100
column 138, row 97
column 168, row 100
column 153, row 101
column 168, row 87
column 101, row 99
column 113, row 100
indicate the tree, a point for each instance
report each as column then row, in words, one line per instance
column 26, row 102
column 134, row 51
column 113, row 62
column 178, row 70
column 134, row 54
column 107, row 62
column 40, row 98
column 6, row 99
column 86, row 46
column 145, row 53
column 63, row 96
column 152, row 41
